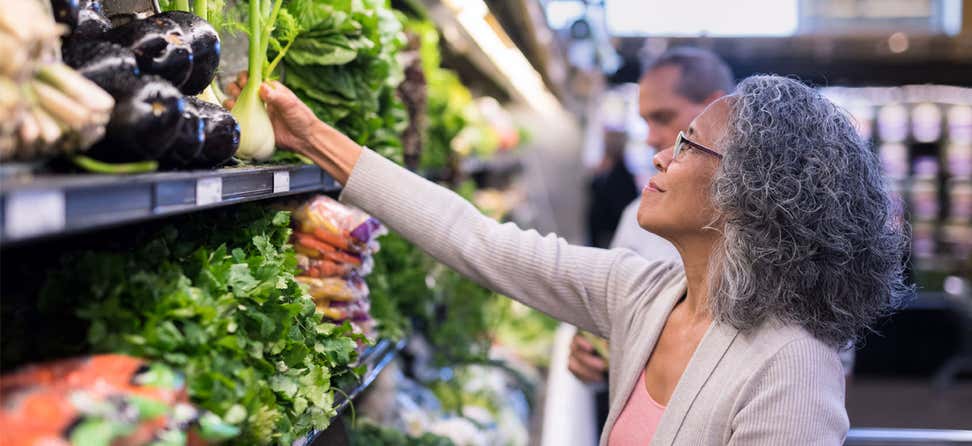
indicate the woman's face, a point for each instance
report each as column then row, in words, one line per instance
column 677, row 200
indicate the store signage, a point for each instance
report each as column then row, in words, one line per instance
column 281, row 182
column 30, row 213
column 209, row 191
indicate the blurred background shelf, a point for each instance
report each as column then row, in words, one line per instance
column 39, row 206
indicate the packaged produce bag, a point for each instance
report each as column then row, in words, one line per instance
column 341, row 227
column 334, row 245
column 335, row 289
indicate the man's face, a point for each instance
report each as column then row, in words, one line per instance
column 665, row 111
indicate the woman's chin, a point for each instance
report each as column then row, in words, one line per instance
column 654, row 223
column 647, row 221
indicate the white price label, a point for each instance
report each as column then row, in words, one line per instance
column 31, row 213
column 281, row 182
column 209, row 191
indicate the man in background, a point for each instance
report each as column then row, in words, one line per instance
column 611, row 190
column 674, row 89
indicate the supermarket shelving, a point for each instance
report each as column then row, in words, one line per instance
column 33, row 207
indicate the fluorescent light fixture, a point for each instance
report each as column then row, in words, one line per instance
column 702, row 17
column 561, row 13
column 474, row 17
column 951, row 16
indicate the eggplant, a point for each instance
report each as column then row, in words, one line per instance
column 222, row 134
column 159, row 45
column 92, row 23
column 144, row 123
column 206, row 48
column 66, row 12
column 188, row 143
column 111, row 66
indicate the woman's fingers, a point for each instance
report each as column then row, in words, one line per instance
column 266, row 93
column 584, row 371
column 234, row 89
column 579, row 343
column 274, row 93
column 229, row 103
column 584, row 363
column 242, row 77
column 591, row 361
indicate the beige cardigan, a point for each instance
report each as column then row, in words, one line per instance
column 775, row 385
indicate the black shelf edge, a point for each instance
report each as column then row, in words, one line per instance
column 37, row 207
column 376, row 358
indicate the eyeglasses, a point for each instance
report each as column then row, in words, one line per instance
column 682, row 140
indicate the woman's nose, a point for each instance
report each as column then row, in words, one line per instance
column 662, row 159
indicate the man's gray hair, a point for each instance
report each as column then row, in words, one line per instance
column 702, row 72
column 811, row 235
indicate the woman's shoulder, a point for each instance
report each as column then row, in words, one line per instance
column 774, row 342
column 637, row 287
column 634, row 277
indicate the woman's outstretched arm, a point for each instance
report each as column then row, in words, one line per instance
column 580, row 285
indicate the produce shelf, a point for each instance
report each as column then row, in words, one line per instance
column 375, row 359
column 33, row 207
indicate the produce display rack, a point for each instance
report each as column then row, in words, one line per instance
column 37, row 207
column 33, row 207
column 375, row 359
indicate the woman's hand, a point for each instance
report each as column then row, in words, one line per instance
column 295, row 127
column 292, row 120
column 584, row 361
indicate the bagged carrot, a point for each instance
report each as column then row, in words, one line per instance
column 342, row 227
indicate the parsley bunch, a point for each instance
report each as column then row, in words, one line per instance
column 218, row 300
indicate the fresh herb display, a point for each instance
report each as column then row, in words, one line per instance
column 218, row 300
column 343, row 65
column 367, row 433
column 398, row 286
column 407, row 286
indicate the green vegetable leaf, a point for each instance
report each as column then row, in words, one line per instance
column 216, row 299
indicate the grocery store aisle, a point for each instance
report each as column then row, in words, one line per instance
column 553, row 176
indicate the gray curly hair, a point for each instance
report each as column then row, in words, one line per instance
column 811, row 236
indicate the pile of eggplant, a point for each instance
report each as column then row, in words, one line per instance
column 153, row 67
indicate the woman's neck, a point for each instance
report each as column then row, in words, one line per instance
column 695, row 254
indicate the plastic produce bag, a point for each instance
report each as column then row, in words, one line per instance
column 343, row 228
column 102, row 400
column 335, row 288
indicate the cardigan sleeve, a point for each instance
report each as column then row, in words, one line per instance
column 796, row 398
column 579, row 285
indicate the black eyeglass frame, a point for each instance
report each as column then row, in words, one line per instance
column 683, row 139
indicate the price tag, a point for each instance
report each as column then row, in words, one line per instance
column 281, row 182
column 30, row 213
column 209, row 191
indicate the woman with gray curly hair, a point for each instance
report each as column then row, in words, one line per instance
column 790, row 247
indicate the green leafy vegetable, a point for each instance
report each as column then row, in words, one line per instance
column 451, row 110
column 218, row 300
column 343, row 65
column 367, row 433
column 453, row 313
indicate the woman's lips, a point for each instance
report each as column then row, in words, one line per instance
column 653, row 187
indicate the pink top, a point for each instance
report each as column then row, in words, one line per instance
column 639, row 418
